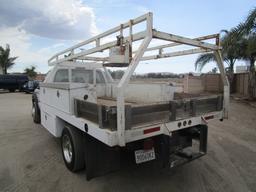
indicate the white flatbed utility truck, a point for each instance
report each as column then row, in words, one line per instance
column 98, row 119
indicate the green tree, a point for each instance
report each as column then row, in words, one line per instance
column 248, row 53
column 230, row 53
column 30, row 72
column 6, row 61
column 246, row 32
column 214, row 70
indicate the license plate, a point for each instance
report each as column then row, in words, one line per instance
column 144, row 155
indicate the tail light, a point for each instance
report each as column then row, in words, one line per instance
column 154, row 129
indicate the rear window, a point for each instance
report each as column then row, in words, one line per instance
column 99, row 77
column 80, row 75
column 61, row 76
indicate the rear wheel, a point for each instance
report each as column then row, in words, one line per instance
column 35, row 113
column 72, row 148
column 11, row 90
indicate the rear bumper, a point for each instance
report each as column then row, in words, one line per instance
column 168, row 128
column 180, row 148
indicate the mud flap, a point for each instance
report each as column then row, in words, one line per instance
column 164, row 150
column 203, row 138
column 100, row 159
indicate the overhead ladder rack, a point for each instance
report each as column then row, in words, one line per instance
column 125, row 42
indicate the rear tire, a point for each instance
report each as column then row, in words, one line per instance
column 36, row 113
column 11, row 90
column 72, row 148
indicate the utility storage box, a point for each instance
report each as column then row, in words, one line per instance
column 119, row 55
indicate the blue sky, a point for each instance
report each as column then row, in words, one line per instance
column 38, row 29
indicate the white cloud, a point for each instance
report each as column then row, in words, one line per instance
column 24, row 24
column 58, row 19
column 21, row 46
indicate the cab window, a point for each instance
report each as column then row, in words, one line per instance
column 80, row 75
column 61, row 76
column 99, row 77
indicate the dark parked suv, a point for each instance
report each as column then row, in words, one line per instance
column 30, row 86
column 13, row 82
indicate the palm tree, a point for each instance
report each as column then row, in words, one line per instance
column 230, row 53
column 248, row 53
column 30, row 71
column 6, row 61
column 246, row 31
column 246, row 27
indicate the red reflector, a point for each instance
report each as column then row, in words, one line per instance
column 209, row 117
column 151, row 130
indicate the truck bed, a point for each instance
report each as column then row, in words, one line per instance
column 142, row 114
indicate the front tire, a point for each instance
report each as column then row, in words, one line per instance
column 72, row 148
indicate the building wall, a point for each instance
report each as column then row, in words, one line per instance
column 242, row 69
column 40, row 77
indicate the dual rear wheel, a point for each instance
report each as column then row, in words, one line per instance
column 72, row 148
column 72, row 143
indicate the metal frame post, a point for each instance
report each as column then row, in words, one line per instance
column 225, row 83
column 126, row 78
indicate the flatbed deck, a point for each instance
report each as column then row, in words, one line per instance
column 111, row 102
column 140, row 114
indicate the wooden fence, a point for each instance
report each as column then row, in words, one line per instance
column 213, row 83
column 198, row 84
column 241, row 84
column 207, row 83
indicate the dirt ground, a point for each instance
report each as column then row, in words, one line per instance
column 30, row 158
